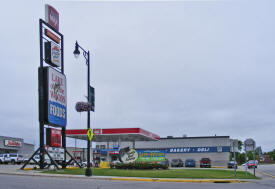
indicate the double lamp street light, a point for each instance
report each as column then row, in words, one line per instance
column 86, row 55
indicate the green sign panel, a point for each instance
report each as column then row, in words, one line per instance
column 150, row 155
column 92, row 98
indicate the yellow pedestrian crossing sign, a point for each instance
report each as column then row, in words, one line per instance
column 90, row 134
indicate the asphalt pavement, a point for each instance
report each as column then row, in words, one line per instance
column 27, row 182
column 11, row 177
column 269, row 170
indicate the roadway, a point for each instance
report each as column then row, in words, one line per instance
column 35, row 182
column 9, row 181
column 268, row 169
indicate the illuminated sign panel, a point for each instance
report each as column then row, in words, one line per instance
column 13, row 143
column 53, row 137
column 56, row 106
column 52, row 16
column 52, row 54
column 52, row 36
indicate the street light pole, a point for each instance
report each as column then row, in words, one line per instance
column 86, row 55
column 88, row 171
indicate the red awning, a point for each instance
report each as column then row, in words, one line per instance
column 114, row 134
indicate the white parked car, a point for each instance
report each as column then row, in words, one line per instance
column 4, row 158
column 16, row 158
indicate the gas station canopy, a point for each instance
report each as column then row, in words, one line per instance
column 114, row 134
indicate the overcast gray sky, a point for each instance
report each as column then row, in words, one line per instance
column 184, row 67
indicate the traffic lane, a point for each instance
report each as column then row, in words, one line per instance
column 10, row 167
column 38, row 182
column 270, row 169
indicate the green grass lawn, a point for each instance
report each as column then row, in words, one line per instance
column 172, row 173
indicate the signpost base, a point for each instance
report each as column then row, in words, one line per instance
column 88, row 172
column 53, row 162
column 72, row 159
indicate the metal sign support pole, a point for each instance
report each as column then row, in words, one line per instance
column 41, row 98
column 108, row 155
column 245, row 164
column 31, row 158
column 235, row 165
column 72, row 159
column 88, row 171
column 52, row 161
column 254, row 162
column 134, row 144
column 250, row 147
column 64, row 164
column 64, row 147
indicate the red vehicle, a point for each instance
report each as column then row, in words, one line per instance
column 251, row 164
column 205, row 162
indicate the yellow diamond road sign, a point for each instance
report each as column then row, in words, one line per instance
column 90, row 134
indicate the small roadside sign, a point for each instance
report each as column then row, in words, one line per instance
column 234, row 146
column 92, row 98
column 249, row 145
column 90, row 134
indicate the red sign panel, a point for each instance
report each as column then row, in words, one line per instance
column 53, row 137
column 13, row 143
column 52, row 16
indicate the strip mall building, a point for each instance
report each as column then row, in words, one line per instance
column 15, row 145
column 109, row 141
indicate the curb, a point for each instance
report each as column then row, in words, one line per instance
column 53, row 175
column 29, row 169
column 131, row 179
column 180, row 180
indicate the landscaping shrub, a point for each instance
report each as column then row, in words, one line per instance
column 141, row 165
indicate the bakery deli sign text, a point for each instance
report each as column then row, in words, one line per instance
column 199, row 149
